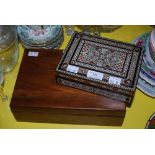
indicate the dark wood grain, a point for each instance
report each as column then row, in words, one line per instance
column 37, row 97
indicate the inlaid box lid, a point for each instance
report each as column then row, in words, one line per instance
column 102, row 60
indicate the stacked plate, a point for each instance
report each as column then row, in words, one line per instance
column 41, row 36
column 146, row 82
column 151, row 122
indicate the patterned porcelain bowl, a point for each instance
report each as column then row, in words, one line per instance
column 40, row 36
column 152, row 44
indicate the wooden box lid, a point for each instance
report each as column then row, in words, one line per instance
column 37, row 97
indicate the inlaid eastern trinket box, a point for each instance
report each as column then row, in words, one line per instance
column 100, row 65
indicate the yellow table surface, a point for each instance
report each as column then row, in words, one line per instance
column 136, row 116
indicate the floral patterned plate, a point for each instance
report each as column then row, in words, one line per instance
column 40, row 36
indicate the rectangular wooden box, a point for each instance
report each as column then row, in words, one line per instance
column 102, row 66
column 38, row 98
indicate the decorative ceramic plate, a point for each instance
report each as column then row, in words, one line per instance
column 41, row 36
column 148, row 59
column 147, row 77
column 55, row 43
column 152, row 44
column 37, row 34
column 146, row 81
column 151, row 122
column 146, row 88
column 148, row 65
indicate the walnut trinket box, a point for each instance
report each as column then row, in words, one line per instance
column 102, row 66
column 38, row 98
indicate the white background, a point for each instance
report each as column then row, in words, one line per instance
column 77, row 12
column 76, row 142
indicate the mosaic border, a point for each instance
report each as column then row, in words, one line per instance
column 91, row 89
